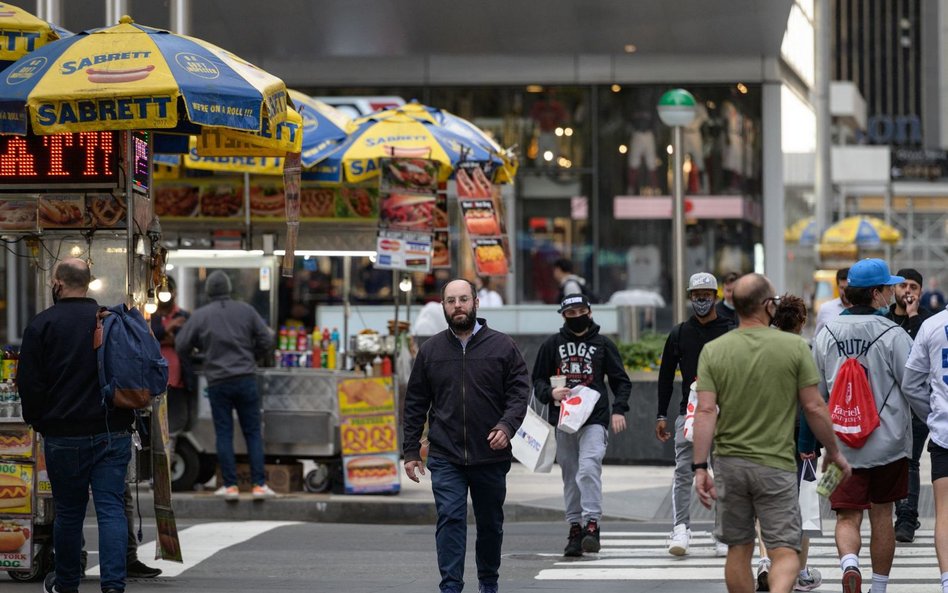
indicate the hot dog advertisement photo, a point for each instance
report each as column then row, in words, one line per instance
column 16, row 440
column 66, row 211
column 16, row 543
column 18, row 215
column 16, row 488
column 415, row 175
column 441, row 250
column 410, row 212
column 480, row 218
column 472, row 182
column 371, row 473
column 490, row 256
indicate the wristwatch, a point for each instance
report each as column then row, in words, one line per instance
column 696, row 466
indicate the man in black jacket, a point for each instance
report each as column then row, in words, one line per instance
column 86, row 444
column 472, row 385
column 586, row 358
column 909, row 314
column 682, row 348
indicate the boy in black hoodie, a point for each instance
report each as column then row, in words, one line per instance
column 586, row 358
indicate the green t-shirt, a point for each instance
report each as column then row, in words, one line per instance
column 757, row 374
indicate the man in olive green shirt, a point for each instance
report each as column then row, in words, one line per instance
column 757, row 375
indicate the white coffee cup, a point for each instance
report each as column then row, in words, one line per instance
column 555, row 382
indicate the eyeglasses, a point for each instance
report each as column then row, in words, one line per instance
column 775, row 299
column 459, row 300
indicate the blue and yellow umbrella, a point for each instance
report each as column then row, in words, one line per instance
column 132, row 77
column 22, row 33
column 324, row 127
column 862, row 231
column 395, row 133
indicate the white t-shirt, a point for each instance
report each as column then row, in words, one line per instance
column 828, row 310
column 928, row 356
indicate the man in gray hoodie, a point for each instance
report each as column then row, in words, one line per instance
column 231, row 335
column 880, row 466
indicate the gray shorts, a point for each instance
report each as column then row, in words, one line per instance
column 747, row 490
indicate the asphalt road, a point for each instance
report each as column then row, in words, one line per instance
column 336, row 558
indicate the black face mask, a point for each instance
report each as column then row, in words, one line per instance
column 56, row 291
column 578, row 325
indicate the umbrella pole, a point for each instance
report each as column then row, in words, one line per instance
column 395, row 291
column 247, row 228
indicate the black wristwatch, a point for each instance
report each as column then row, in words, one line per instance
column 696, row 466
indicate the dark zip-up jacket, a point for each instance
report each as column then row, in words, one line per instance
column 682, row 349
column 465, row 393
column 585, row 360
column 909, row 324
column 57, row 374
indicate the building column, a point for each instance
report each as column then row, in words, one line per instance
column 775, row 251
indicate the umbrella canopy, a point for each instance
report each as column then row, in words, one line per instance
column 802, row 231
column 397, row 134
column 132, row 77
column 22, row 33
column 862, row 231
column 323, row 127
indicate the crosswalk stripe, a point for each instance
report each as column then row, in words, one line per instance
column 642, row 556
column 200, row 542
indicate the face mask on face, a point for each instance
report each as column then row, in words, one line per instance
column 578, row 325
column 702, row 306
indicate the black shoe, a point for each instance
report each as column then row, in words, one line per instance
column 574, row 547
column 135, row 569
column 905, row 531
column 591, row 537
column 50, row 586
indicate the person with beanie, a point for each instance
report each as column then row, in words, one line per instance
column 231, row 335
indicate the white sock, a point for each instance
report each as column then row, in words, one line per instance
column 944, row 582
column 805, row 573
column 848, row 560
column 879, row 583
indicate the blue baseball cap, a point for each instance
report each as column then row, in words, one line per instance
column 872, row 272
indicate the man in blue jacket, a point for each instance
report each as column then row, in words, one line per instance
column 585, row 357
column 471, row 384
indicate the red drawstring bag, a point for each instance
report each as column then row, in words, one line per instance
column 852, row 406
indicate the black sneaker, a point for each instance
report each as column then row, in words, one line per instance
column 136, row 569
column 852, row 580
column 905, row 531
column 50, row 586
column 591, row 537
column 574, row 546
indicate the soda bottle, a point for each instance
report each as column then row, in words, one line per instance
column 325, row 338
column 334, row 337
column 387, row 366
column 301, row 341
column 282, row 345
column 331, row 356
column 291, row 338
column 317, row 359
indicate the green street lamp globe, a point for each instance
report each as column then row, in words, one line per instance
column 676, row 108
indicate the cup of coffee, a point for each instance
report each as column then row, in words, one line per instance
column 555, row 382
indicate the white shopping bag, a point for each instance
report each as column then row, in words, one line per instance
column 534, row 444
column 689, row 426
column 810, row 501
column 576, row 409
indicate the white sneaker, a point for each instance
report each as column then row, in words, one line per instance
column 262, row 492
column 678, row 540
column 763, row 572
column 720, row 548
column 228, row 492
column 807, row 583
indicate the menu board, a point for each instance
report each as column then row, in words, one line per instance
column 222, row 198
column 16, row 441
column 490, row 255
column 368, row 430
column 16, row 479
column 482, row 209
column 400, row 250
column 16, row 543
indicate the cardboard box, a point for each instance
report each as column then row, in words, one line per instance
column 282, row 478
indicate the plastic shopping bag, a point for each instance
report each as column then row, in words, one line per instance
column 810, row 500
column 576, row 409
column 689, row 426
column 534, row 444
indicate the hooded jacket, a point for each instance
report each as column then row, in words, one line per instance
column 682, row 348
column 465, row 393
column 57, row 374
column 585, row 360
column 231, row 334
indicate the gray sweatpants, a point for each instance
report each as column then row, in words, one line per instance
column 580, row 458
column 684, row 477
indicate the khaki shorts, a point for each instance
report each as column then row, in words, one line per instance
column 747, row 490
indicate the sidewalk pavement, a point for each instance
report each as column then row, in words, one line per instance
column 630, row 493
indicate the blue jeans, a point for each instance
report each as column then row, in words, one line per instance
column 907, row 508
column 75, row 464
column 488, row 486
column 237, row 394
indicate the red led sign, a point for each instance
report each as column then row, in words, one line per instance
column 83, row 157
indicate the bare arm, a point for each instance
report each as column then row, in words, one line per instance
column 818, row 419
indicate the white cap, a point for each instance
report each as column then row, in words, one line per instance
column 702, row 281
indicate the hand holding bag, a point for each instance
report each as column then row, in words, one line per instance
column 810, row 501
column 534, row 444
column 576, row 409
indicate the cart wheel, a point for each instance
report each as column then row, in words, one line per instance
column 185, row 466
column 208, row 468
column 42, row 564
column 319, row 479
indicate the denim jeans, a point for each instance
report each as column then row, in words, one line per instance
column 907, row 508
column 450, row 483
column 237, row 394
column 75, row 464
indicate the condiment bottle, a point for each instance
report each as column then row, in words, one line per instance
column 331, row 356
column 377, row 366
column 387, row 367
column 334, row 337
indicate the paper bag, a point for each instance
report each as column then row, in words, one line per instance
column 810, row 501
column 534, row 444
column 688, row 428
column 576, row 409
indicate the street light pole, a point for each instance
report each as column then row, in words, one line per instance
column 676, row 109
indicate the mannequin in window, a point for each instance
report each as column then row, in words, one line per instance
column 642, row 146
column 733, row 157
column 693, row 146
column 548, row 114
